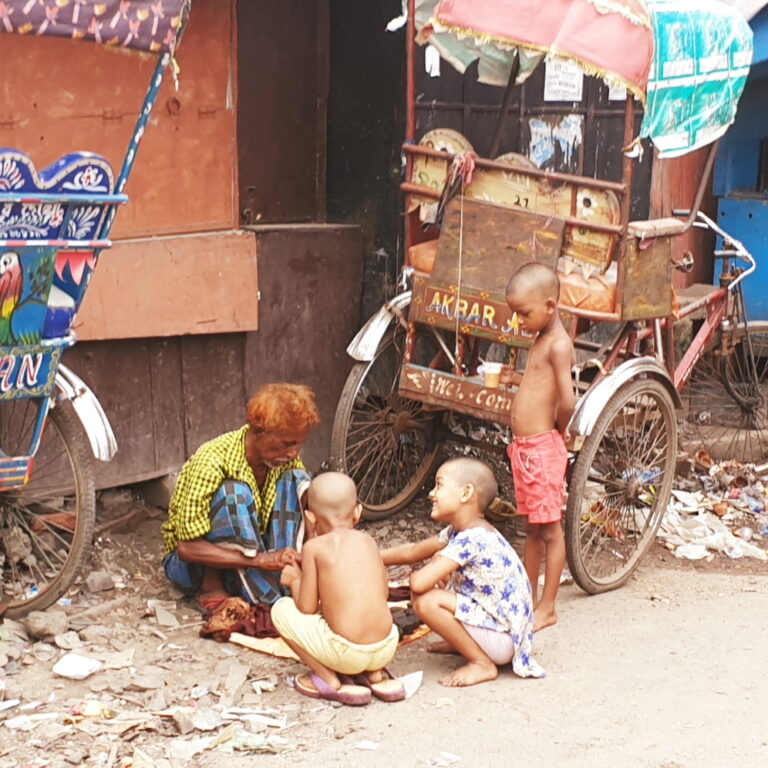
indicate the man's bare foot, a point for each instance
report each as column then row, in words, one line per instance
column 470, row 674
column 543, row 619
column 441, row 646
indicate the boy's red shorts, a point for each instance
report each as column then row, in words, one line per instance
column 538, row 467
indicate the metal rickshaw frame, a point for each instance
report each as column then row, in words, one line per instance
column 628, row 385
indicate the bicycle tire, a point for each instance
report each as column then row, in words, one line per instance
column 61, row 483
column 373, row 423
column 605, row 540
column 726, row 408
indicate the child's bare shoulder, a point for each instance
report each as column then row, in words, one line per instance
column 560, row 345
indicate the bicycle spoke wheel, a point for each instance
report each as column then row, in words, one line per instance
column 727, row 397
column 45, row 527
column 621, row 485
column 386, row 443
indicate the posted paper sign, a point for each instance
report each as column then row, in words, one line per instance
column 563, row 80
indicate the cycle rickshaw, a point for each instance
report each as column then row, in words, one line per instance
column 473, row 221
column 54, row 223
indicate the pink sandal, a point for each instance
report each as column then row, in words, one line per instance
column 351, row 695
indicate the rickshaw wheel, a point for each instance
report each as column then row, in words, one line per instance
column 47, row 526
column 726, row 397
column 621, row 485
column 389, row 445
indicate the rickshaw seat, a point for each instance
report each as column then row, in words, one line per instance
column 665, row 227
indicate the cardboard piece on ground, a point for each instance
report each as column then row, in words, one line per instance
column 273, row 646
column 416, row 635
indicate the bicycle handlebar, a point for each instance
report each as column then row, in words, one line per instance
column 733, row 248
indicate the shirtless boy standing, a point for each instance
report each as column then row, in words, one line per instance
column 541, row 410
column 337, row 621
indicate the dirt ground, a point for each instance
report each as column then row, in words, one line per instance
column 668, row 672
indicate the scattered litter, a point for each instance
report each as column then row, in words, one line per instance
column 183, row 749
column 76, row 667
column 273, row 646
column 264, row 716
column 28, row 722
column 262, row 684
column 68, row 641
column 726, row 514
column 119, row 659
column 445, row 758
column 165, row 618
column 412, row 683
column 442, row 702
column 367, row 745
column 198, row 691
column 9, row 704
column 693, row 535
column 235, row 738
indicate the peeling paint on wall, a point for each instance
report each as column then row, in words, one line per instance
column 555, row 142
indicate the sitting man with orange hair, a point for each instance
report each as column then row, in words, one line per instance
column 235, row 518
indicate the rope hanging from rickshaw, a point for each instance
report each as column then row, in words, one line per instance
column 459, row 177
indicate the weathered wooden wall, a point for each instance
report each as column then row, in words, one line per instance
column 60, row 96
column 165, row 396
column 282, row 101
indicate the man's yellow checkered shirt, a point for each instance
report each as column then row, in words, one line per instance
column 223, row 458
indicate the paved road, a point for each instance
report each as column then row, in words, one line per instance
column 669, row 672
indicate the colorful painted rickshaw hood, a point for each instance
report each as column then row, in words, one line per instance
column 701, row 61
column 687, row 62
column 145, row 25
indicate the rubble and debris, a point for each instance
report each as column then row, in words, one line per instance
column 76, row 667
column 99, row 581
column 45, row 625
column 722, row 509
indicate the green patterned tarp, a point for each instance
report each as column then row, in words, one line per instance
column 703, row 51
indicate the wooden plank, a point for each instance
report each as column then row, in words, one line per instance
column 165, row 387
column 173, row 286
column 456, row 393
column 213, row 391
column 481, row 245
column 648, row 279
column 514, row 188
column 473, row 312
column 121, row 379
column 282, row 89
column 310, row 278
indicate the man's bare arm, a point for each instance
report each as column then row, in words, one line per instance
column 207, row 553
column 561, row 358
column 411, row 553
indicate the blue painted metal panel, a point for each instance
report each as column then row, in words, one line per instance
column 747, row 220
column 739, row 153
column 759, row 24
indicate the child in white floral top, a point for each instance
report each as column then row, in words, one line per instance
column 486, row 615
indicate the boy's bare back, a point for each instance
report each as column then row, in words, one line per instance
column 351, row 584
column 535, row 405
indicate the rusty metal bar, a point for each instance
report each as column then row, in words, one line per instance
column 626, row 200
column 502, row 121
column 610, row 229
column 584, row 181
column 410, row 110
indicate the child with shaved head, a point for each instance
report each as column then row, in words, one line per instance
column 337, row 620
column 486, row 614
column 542, row 407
